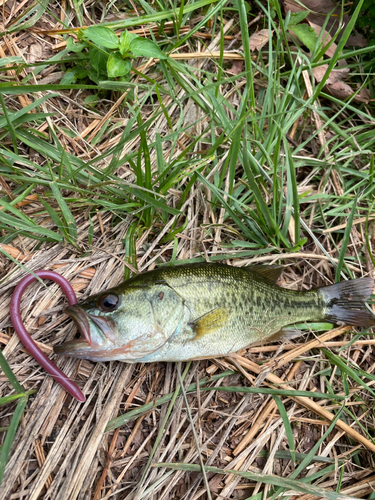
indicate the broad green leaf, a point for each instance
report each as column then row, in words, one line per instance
column 75, row 47
column 102, row 36
column 142, row 47
column 306, row 34
column 315, row 327
column 69, row 78
column 98, row 60
column 125, row 41
column 292, row 191
column 298, row 17
column 117, row 66
column 81, row 72
column 91, row 99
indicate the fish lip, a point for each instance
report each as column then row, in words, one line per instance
column 71, row 347
column 79, row 317
column 84, row 343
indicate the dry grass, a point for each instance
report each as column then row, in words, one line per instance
column 65, row 450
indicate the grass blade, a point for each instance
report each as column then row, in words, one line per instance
column 13, row 397
column 8, row 372
column 290, row 484
column 10, row 435
column 345, row 240
column 287, row 425
column 67, row 214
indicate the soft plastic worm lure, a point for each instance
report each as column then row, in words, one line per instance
column 25, row 337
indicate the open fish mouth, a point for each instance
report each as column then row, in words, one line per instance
column 84, row 343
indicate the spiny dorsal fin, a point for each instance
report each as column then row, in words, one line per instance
column 273, row 273
column 210, row 322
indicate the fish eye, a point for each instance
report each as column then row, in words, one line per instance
column 108, row 302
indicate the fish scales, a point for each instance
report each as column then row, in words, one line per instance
column 255, row 308
column 203, row 310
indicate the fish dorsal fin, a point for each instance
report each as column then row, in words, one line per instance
column 210, row 322
column 272, row 273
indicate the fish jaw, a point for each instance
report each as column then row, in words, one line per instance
column 79, row 317
column 96, row 337
column 102, row 340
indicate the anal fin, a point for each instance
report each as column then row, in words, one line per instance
column 286, row 333
column 283, row 335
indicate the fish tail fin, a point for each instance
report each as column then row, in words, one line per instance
column 346, row 302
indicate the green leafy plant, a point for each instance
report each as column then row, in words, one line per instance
column 102, row 55
column 296, row 26
column 303, row 31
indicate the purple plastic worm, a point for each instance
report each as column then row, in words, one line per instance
column 24, row 335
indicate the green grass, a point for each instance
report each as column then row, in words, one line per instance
column 265, row 192
column 23, row 397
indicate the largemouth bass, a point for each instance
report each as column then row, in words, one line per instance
column 204, row 310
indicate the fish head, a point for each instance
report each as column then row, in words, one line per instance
column 125, row 325
column 97, row 323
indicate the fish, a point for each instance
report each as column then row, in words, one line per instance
column 200, row 311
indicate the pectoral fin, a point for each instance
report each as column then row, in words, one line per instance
column 210, row 322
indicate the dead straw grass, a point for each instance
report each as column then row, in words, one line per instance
column 62, row 450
